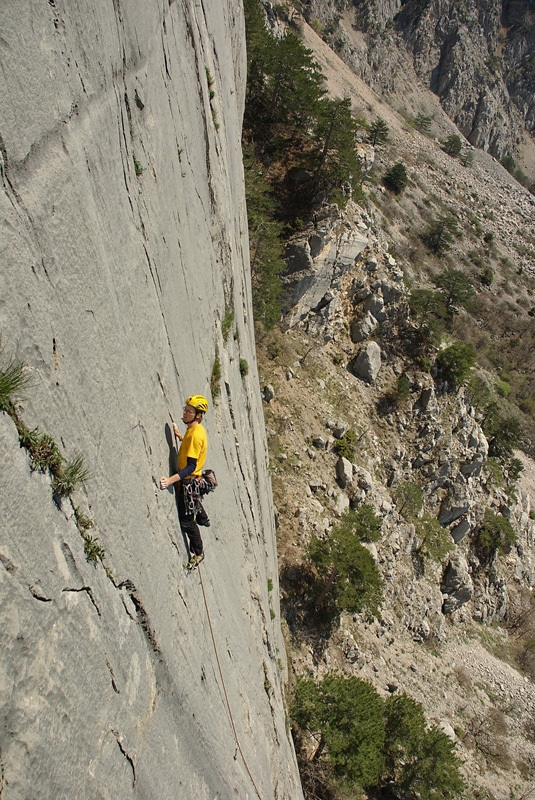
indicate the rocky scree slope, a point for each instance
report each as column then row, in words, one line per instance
column 123, row 247
column 441, row 637
column 477, row 58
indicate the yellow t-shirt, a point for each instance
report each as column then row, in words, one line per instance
column 194, row 445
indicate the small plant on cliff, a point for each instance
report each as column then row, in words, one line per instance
column 13, row 380
column 70, row 476
column 496, row 532
column 244, row 367
column 347, row 445
column 226, row 323
column 215, row 379
column 138, row 168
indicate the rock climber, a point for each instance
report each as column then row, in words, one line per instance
column 191, row 458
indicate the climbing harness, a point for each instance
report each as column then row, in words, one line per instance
column 238, row 746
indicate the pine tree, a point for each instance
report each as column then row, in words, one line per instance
column 378, row 133
column 421, row 762
column 456, row 288
column 346, row 713
column 335, row 159
column 266, row 249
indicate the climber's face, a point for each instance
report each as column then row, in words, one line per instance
column 188, row 415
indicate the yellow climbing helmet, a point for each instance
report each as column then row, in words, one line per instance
column 198, row 402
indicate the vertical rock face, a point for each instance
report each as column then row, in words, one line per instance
column 122, row 246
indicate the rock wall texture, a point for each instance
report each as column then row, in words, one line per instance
column 122, row 245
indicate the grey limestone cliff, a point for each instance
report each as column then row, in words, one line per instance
column 123, row 243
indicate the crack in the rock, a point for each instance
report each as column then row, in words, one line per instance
column 89, row 591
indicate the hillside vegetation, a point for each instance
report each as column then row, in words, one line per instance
column 405, row 531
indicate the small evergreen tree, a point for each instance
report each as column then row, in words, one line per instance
column 378, row 133
column 456, row 288
column 453, row 145
column 409, row 499
column 429, row 310
column 455, row 363
column 422, row 122
column 420, row 762
column 441, row 234
column 347, row 575
column 335, row 159
column 396, row 178
column 345, row 714
column 504, row 434
column 266, row 249
column 496, row 532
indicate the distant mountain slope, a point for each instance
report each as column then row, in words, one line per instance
column 476, row 57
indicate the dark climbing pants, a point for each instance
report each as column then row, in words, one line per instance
column 188, row 524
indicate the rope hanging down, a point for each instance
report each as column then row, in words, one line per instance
column 238, row 746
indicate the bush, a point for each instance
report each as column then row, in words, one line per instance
column 496, row 532
column 396, row 178
column 409, row 499
column 434, row 539
column 453, row 145
column 455, row 363
column 369, row 743
column 215, row 379
column 420, row 762
column 346, row 446
column 441, row 234
column 346, row 573
column 244, row 367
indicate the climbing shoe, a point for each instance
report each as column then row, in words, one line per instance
column 195, row 561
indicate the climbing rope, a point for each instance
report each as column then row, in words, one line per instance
column 238, row 746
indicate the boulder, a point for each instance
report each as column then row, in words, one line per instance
column 367, row 364
column 456, row 587
column 344, row 471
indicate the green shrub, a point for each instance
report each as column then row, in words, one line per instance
column 347, row 445
column 139, row 170
column 421, row 762
column 346, row 573
column 487, row 276
column 226, row 323
column 365, row 742
column 93, row 550
column 244, row 367
column 441, row 234
column 434, row 539
column 215, row 378
column 456, row 362
column 453, row 145
column 496, row 532
column 396, row 178
column 347, row 714
column 409, row 498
